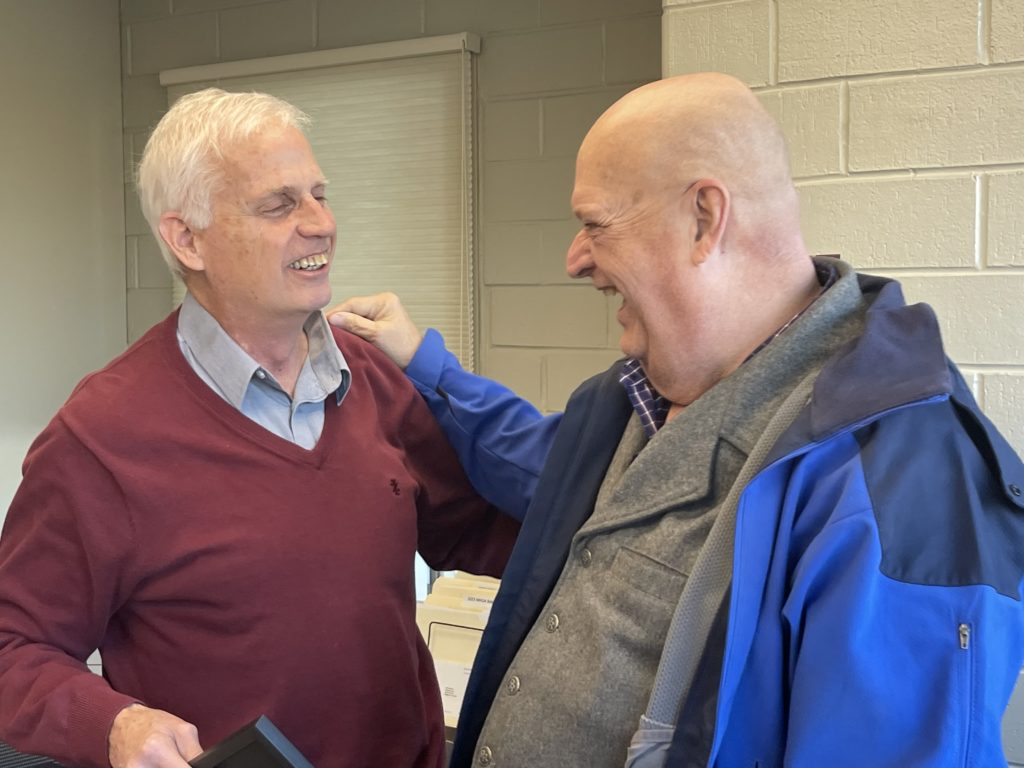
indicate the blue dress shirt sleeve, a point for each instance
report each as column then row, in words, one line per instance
column 501, row 440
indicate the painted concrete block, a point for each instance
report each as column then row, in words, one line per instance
column 1006, row 219
column 512, row 129
column 347, row 22
column 633, row 50
column 175, row 41
column 547, row 316
column 1003, row 402
column 128, row 157
column 146, row 308
column 144, row 101
column 511, row 253
column 568, row 118
column 831, row 38
column 566, row 370
column 732, row 38
column 521, row 370
column 269, row 29
column 876, row 223
column 126, row 47
column 196, row 6
column 979, row 314
column 1007, row 25
column 569, row 11
column 555, row 238
column 134, row 221
column 131, row 262
column 543, row 60
column 973, row 381
column 481, row 16
column 527, row 252
column 138, row 141
column 528, row 190
column 136, row 10
column 810, row 120
column 152, row 269
column 937, row 121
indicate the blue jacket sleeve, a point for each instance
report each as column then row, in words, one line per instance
column 903, row 647
column 892, row 674
column 501, row 440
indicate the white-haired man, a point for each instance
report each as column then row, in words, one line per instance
column 780, row 533
column 229, row 510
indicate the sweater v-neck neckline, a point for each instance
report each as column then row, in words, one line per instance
column 233, row 418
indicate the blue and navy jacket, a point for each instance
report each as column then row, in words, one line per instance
column 874, row 616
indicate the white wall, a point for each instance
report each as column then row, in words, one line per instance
column 62, row 295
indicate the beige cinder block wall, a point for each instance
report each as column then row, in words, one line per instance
column 906, row 124
column 546, row 70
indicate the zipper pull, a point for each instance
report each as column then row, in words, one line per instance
column 965, row 636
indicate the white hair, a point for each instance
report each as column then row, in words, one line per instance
column 181, row 165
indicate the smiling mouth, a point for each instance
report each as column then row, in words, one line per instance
column 608, row 291
column 310, row 263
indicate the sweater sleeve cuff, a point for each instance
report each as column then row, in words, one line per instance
column 90, row 717
column 428, row 363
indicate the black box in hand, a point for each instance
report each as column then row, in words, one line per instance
column 257, row 745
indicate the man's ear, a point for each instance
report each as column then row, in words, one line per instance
column 711, row 209
column 180, row 238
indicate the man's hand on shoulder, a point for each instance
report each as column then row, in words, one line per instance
column 381, row 320
column 151, row 738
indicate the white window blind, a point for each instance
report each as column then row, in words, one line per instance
column 393, row 138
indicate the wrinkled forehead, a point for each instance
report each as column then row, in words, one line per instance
column 270, row 159
column 616, row 171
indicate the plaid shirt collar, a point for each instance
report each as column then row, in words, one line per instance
column 652, row 407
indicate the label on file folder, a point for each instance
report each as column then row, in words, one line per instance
column 478, row 602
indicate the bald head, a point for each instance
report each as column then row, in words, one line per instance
column 669, row 133
column 689, row 214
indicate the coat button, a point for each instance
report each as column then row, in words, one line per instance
column 586, row 557
column 552, row 622
column 1015, row 489
column 485, row 756
column 513, row 685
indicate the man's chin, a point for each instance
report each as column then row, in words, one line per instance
column 320, row 300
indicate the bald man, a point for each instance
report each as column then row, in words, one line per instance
column 780, row 532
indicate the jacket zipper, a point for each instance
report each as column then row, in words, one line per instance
column 964, row 635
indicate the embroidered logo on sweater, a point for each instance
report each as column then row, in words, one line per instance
column 394, row 487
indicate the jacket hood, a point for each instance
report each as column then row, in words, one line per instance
column 875, row 372
column 897, row 361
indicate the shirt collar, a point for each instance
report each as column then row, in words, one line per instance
column 325, row 357
column 649, row 404
column 232, row 368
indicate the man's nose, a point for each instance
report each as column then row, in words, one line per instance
column 578, row 262
column 317, row 219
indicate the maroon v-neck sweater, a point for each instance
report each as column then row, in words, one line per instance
column 227, row 573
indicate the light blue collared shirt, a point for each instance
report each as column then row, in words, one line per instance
column 230, row 372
